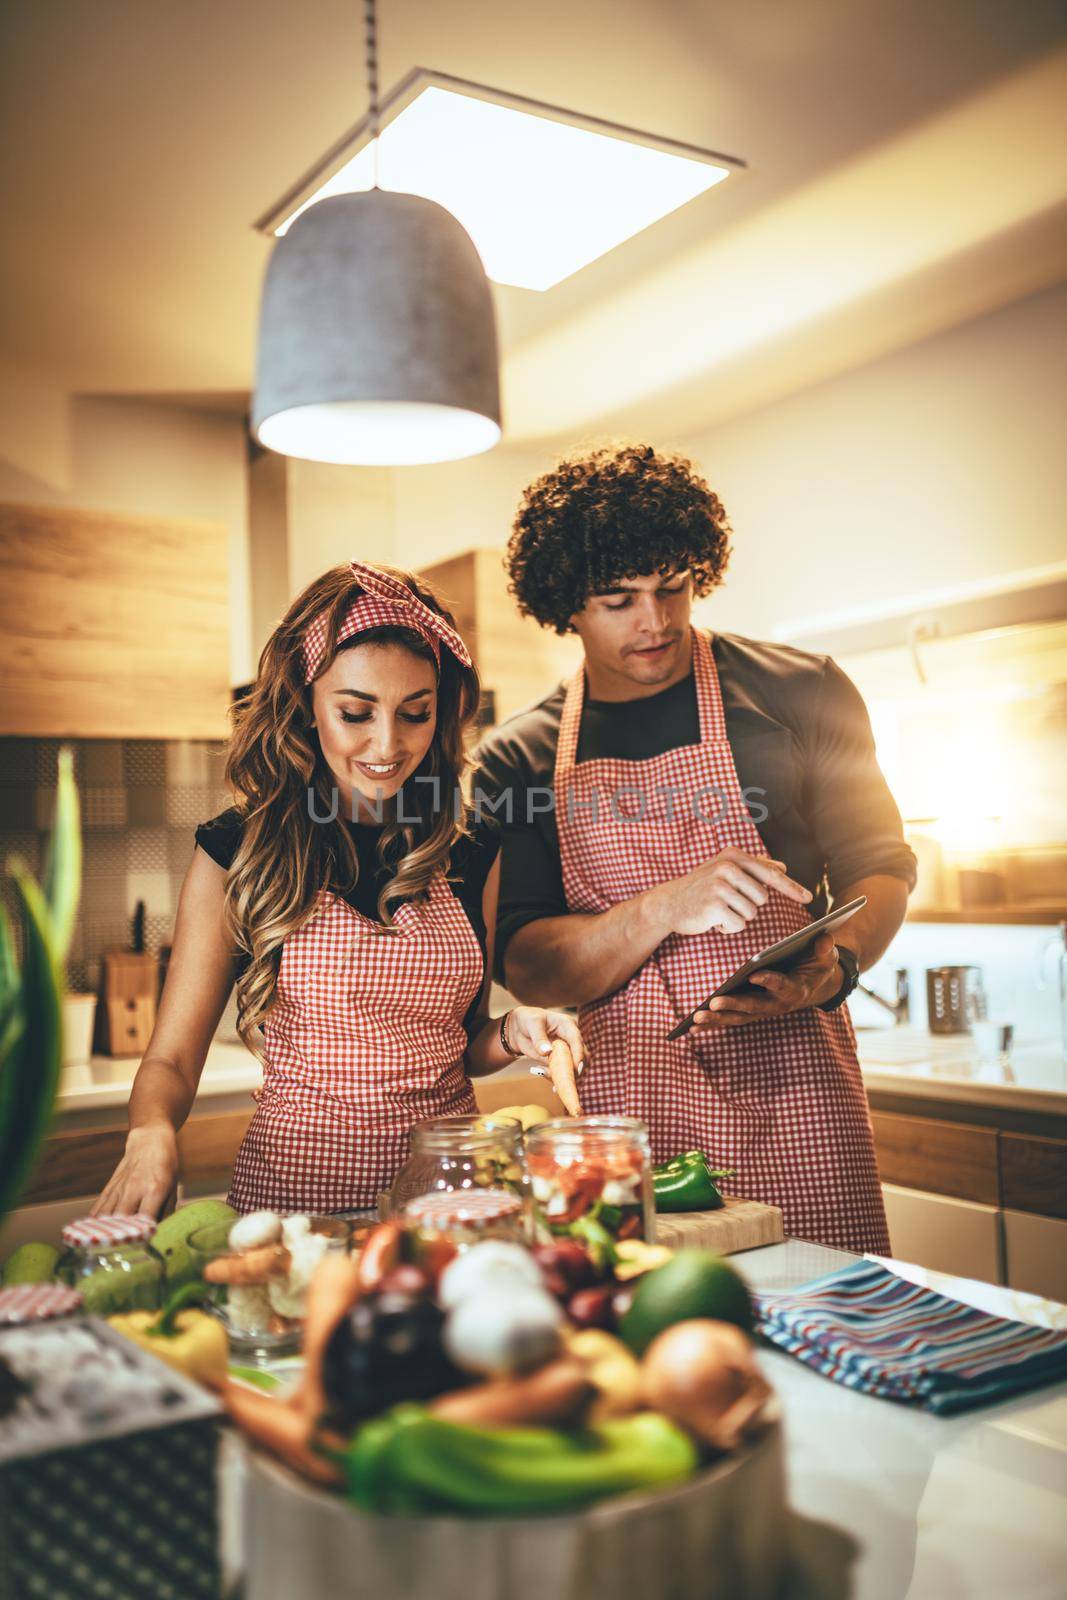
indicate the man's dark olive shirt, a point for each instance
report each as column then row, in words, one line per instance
column 802, row 745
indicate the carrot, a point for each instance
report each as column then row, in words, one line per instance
column 250, row 1267
column 561, row 1072
column 380, row 1253
column 333, row 1290
column 553, row 1394
column 285, row 1432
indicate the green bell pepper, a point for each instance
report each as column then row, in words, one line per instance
column 687, row 1183
column 410, row 1461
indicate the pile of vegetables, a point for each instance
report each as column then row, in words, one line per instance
column 503, row 1380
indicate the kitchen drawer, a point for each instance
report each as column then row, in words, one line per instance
column 946, row 1235
column 1033, row 1174
column 73, row 1164
column 937, row 1157
column 208, row 1149
column 1035, row 1254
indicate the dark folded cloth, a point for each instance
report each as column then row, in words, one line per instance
column 868, row 1329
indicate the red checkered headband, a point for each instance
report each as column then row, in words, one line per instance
column 385, row 602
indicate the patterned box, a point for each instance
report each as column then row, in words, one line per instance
column 107, row 1470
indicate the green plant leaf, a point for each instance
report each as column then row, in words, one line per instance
column 63, row 865
column 30, row 1076
column 10, row 1019
column 9, row 967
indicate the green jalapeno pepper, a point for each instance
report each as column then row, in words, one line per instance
column 411, row 1462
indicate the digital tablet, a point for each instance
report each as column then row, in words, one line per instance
column 778, row 957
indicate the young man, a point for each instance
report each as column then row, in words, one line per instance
column 683, row 802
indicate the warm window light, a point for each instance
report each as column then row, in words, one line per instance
column 541, row 192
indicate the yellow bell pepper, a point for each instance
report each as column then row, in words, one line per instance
column 611, row 1368
column 193, row 1342
column 636, row 1258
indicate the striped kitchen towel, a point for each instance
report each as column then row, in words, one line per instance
column 868, row 1329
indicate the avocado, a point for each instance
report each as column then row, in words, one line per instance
column 169, row 1239
column 32, row 1262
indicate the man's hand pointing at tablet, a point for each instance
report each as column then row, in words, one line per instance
column 726, row 892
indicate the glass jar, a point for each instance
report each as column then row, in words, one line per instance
column 110, row 1260
column 591, row 1176
column 450, row 1154
column 446, row 1221
column 260, row 1293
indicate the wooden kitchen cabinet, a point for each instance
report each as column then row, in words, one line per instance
column 1035, row 1254
column 980, row 1201
column 1033, row 1174
column 79, row 1163
column 939, row 1157
column 518, row 660
column 113, row 626
column 946, row 1235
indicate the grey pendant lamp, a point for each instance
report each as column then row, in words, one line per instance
column 377, row 334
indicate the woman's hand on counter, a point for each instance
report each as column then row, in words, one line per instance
column 147, row 1175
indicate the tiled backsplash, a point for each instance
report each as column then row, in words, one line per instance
column 141, row 799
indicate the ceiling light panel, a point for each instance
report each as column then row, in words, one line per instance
column 540, row 196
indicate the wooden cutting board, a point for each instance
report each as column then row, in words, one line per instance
column 740, row 1225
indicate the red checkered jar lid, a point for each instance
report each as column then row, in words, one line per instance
column 463, row 1205
column 36, row 1302
column 109, row 1231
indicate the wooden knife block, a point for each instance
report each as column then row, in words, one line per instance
column 126, row 1014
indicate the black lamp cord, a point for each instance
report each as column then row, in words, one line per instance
column 370, row 19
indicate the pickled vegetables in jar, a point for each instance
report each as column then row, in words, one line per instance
column 591, row 1179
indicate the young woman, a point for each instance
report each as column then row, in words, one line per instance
column 353, row 898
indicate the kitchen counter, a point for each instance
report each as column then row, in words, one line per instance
column 887, row 1502
column 892, row 1502
column 947, row 1067
column 98, row 1092
column 104, row 1084
column 893, row 1060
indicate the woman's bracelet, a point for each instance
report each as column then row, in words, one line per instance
column 505, row 1041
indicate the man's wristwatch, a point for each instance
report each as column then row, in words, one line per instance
column 850, row 968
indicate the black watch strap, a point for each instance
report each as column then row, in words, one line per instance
column 850, row 969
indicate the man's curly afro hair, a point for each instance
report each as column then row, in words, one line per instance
column 618, row 512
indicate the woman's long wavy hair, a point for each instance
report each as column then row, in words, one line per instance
column 281, row 783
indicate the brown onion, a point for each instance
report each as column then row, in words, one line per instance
column 704, row 1376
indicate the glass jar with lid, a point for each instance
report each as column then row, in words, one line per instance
column 451, row 1220
column 460, row 1154
column 591, row 1176
column 111, row 1261
column 30, row 1303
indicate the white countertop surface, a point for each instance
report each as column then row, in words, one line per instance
column 948, row 1067
column 106, row 1080
column 887, row 1502
column 894, row 1060
column 893, row 1503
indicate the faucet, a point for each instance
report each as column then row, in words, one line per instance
column 900, row 1008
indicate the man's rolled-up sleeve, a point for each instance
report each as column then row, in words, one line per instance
column 852, row 813
column 531, row 879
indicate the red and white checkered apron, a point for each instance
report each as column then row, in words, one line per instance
column 780, row 1100
column 365, row 1040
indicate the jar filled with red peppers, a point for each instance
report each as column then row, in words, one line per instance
column 591, row 1179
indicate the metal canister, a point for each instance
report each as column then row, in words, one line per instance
column 955, row 997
